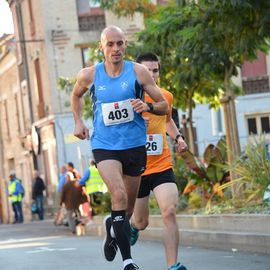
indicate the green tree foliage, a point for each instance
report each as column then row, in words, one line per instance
column 66, row 84
column 204, row 41
column 190, row 80
column 227, row 34
column 128, row 7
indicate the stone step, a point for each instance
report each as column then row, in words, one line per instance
column 230, row 232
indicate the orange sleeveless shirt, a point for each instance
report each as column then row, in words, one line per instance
column 157, row 125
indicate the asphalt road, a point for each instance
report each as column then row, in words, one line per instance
column 42, row 246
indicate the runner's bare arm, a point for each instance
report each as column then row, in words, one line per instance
column 160, row 107
column 84, row 80
column 174, row 133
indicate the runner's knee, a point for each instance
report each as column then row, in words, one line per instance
column 169, row 212
column 119, row 199
column 141, row 223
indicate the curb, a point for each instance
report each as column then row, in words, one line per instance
column 249, row 233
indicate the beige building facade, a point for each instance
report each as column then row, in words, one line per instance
column 15, row 148
column 51, row 40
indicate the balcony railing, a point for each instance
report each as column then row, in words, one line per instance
column 92, row 23
column 256, row 85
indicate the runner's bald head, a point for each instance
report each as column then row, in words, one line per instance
column 109, row 30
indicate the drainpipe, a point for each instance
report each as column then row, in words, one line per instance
column 25, row 65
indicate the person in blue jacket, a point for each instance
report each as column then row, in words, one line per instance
column 62, row 179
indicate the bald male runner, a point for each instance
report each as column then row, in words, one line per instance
column 119, row 137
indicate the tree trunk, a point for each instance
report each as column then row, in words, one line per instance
column 191, row 142
column 230, row 121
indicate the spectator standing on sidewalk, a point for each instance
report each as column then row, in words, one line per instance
column 37, row 194
column 94, row 185
column 158, row 176
column 15, row 196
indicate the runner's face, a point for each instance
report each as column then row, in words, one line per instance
column 153, row 67
column 113, row 45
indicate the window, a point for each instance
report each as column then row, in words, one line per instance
column 265, row 124
column 41, row 108
column 90, row 16
column 255, row 78
column 17, row 112
column 94, row 3
column 84, row 6
column 32, row 22
column 26, row 114
column 85, row 56
column 252, row 127
column 11, row 164
column 92, row 23
column 258, row 124
column 6, row 118
column 217, row 122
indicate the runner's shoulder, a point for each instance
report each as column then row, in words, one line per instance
column 168, row 95
column 140, row 71
column 86, row 75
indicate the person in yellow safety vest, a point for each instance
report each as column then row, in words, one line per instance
column 15, row 197
column 94, row 185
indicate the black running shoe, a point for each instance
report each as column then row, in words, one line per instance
column 109, row 244
column 131, row 266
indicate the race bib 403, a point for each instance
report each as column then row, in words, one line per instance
column 117, row 112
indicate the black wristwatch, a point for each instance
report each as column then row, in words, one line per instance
column 151, row 107
column 178, row 136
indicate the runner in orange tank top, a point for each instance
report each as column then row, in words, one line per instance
column 159, row 176
column 158, row 152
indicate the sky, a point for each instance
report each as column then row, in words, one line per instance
column 6, row 24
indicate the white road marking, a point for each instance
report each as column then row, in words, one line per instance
column 46, row 249
column 23, row 245
column 15, row 241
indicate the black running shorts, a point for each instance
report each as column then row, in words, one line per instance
column 133, row 159
column 149, row 182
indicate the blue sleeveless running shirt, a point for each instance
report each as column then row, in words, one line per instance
column 116, row 125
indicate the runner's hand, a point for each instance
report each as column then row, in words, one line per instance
column 182, row 146
column 139, row 106
column 81, row 131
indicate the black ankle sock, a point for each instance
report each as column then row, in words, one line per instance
column 121, row 229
